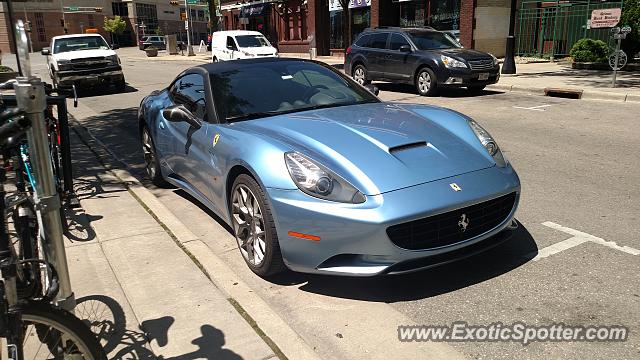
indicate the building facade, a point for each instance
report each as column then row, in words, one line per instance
column 298, row 25
column 50, row 18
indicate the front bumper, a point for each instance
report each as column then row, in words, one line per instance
column 107, row 75
column 450, row 78
column 353, row 238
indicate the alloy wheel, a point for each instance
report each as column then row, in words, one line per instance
column 149, row 153
column 249, row 226
column 358, row 75
column 424, row 82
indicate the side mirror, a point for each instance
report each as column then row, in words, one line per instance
column 181, row 114
column 45, row 51
column 405, row 48
column 372, row 89
column 115, row 46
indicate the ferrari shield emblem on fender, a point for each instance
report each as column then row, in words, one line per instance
column 215, row 139
column 455, row 187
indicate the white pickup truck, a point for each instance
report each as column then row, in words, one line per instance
column 83, row 60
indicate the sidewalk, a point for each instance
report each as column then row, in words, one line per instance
column 143, row 294
column 590, row 84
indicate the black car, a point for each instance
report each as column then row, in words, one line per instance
column 427, row 58
column 159, row 43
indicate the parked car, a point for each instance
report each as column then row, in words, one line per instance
column 83, row 59
column 426, row 58
column 159, row 43
column 240, row 44
column 314, row 173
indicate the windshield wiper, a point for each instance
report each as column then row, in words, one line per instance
column 260, row 114
column 254, row 115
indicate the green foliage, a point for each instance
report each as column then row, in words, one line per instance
column 115, row 25
column 4, row 69
column 631, row 17
column 589, row 50
column 158, row 32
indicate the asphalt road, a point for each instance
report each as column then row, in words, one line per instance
column 578, row 163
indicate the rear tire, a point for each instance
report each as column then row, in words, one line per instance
column 360, row 75
column 426, row 82
column 254, row 227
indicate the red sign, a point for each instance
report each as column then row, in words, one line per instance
column 605, row 18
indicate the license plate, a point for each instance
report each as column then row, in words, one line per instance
column 483, row 76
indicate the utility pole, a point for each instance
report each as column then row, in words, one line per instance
column 188, row 17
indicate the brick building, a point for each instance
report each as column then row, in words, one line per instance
column 48, row 19
column 297, row 25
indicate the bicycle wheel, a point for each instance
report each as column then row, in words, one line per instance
column 53, row 333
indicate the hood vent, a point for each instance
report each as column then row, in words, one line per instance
column 407, row 146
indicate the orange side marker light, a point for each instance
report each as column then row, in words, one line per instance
column 304, row 236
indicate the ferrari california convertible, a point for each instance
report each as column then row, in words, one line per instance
column 315, row 174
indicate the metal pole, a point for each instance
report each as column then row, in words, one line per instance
column 31, row 99
column 615, row 64
column 509, row 65
column 188, row 17
column 13, row 35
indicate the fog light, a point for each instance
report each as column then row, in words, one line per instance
column 453, row 80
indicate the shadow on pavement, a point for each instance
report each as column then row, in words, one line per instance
column 443, row 279
column 449, row 93
column 587, row 78
column 85, row 92
column 107, row 320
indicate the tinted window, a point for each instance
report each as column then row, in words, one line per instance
column 379, row 40
column 231, row 44
column 189, row 91
column 396, row 41
column 293, row 86
column 434, row 40
column 79, row 43
column 363, row 41
column 252, row 41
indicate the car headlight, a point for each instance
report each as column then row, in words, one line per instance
column 452, row 63
column 489, row 143
column 495, row 60
column 113, row 59
column 318, row 181
column 64, row 65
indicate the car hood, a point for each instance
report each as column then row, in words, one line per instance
column 82, row 54
column 464, row 54
column 377, row 147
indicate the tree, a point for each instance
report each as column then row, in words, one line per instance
column 631, row 17
column 114, row 26
column 213, row 14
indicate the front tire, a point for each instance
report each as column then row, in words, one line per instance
column 360, row 75
column 151, row 161
column 254, row 227
column 426, row 82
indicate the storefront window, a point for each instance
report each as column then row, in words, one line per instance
column 335, row 33
column 360, row 20
column 439, row 14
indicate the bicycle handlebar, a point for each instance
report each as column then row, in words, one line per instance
column 14, row 128
column 9, row 114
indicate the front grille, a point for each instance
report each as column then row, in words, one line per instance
column 481, row 64
column 89, row 63
column 446, row 229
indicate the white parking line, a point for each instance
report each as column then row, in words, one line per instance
column 578, row 238
column 534, row 108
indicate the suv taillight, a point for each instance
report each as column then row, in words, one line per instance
column 349, row 50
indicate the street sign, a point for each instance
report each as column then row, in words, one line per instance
column 193, row 2
column 621, row 57
column 73, row 8
column 605, row 18
column 186, row 24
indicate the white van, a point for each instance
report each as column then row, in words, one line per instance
column 240, row 44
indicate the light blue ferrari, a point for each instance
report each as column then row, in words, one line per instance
column 314, row 173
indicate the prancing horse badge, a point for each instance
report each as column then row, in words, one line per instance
column 215, row 139
column 455, row 187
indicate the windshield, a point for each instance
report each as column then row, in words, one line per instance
column 434, row 40
column 79, row 43
column 261, row 89
column 252, row 41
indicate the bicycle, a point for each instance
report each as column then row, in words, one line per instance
column 29, row 321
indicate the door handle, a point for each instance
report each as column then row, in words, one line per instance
column 161, row 125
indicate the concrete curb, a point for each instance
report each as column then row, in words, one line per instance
column 586, row 94
column 266, row 319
